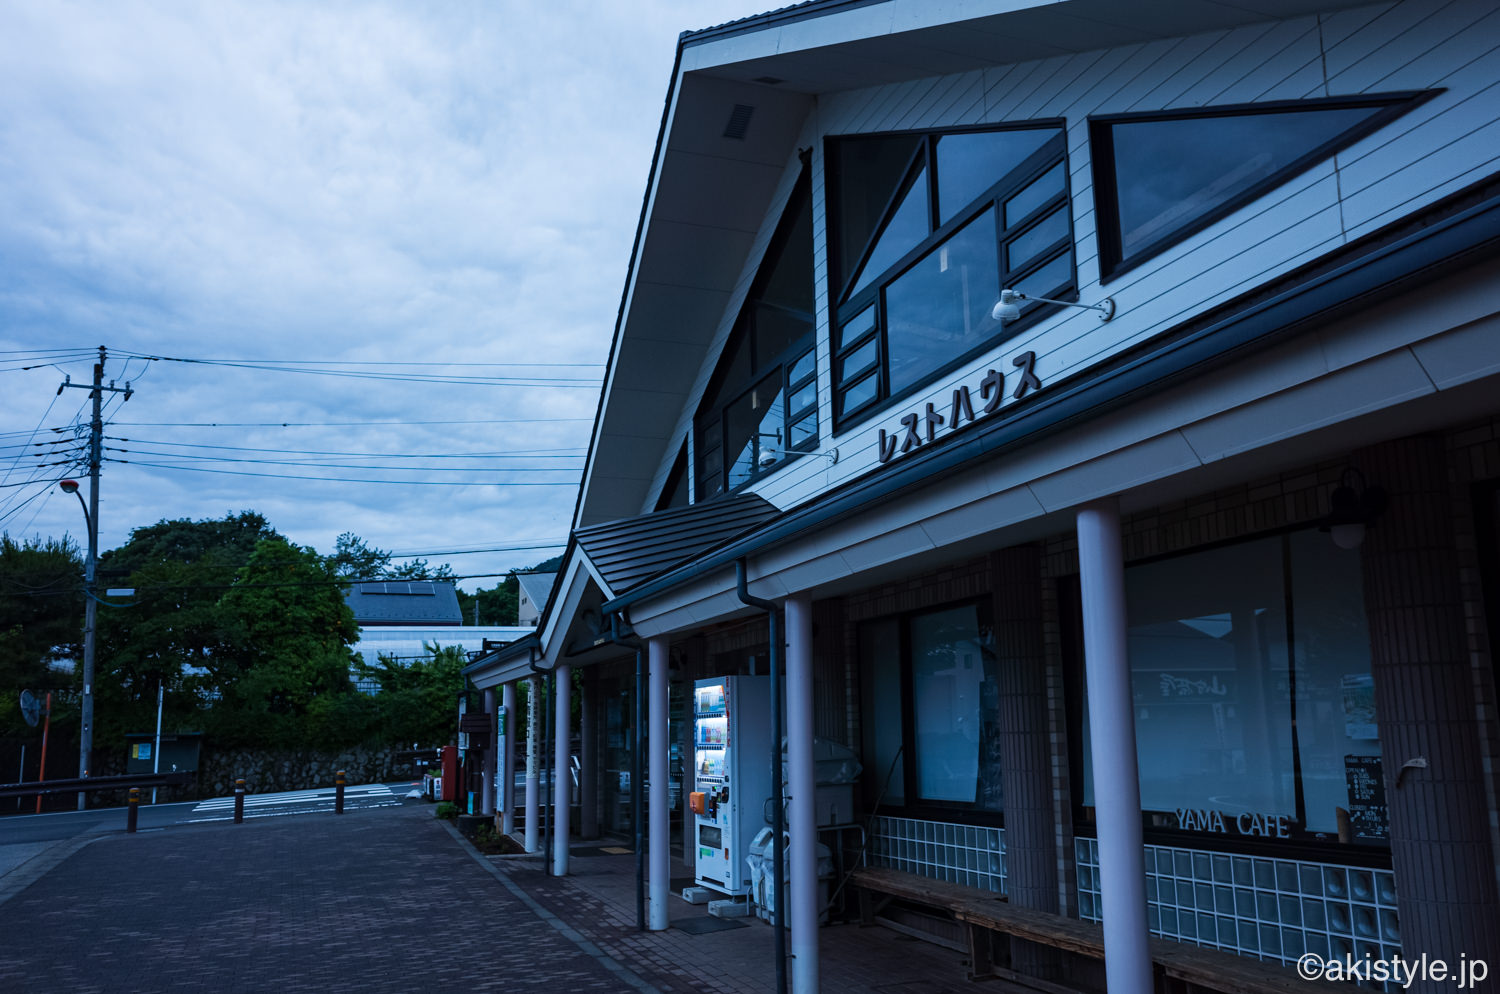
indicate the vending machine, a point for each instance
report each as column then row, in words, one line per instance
column 732, row 776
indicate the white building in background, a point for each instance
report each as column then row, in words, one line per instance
column 400, row 618
column 532, row 597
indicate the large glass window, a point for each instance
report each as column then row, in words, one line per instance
column 1163, row 176
column 959, row 217
column 1254, row 701
column 761, row 407
column 932, row 698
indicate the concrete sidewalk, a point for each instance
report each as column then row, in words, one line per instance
column 385, row 901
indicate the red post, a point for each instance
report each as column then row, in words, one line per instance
column 41, row 774
column 450, row 773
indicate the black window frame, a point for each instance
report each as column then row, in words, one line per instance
column 846, row 306
column 710, row 424
column 1112, row 262
column 913, row 805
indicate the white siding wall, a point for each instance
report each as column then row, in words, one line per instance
column 1447, row 143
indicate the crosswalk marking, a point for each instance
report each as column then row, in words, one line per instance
column 259, row 805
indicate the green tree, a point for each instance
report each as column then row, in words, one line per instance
column 173, row 633
column 355, row 559
column 294, row 635
column 41, row 617
column 418, row 699
column 497, row 604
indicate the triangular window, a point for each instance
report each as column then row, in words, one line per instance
column 760, row 407
column 908, row 227
column 865, row 174
column 1164, row 176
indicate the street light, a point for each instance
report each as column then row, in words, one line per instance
column 91, row 614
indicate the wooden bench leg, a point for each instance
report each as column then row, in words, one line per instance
column 981, row 951
column 870, row 905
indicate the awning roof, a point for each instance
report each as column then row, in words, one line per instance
column 630, row 551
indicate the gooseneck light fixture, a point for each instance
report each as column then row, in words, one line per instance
column 1008, row 307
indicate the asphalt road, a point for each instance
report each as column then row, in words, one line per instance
column 54, row 826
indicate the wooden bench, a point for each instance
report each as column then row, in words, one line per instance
column 1179, row 968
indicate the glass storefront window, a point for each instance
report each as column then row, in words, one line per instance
column 931, row 697
column 1254, row 701
column 955, row 707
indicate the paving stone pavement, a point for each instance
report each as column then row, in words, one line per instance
column 390, row 900
column 378, row 901
column 598, row 897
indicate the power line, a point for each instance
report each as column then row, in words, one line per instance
column 277, row 366
column 495, row 454
column 333, row 424
column 345, row 479
column 326, row 464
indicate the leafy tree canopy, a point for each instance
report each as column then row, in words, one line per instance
column 355, row 559
column 41, row 617
column 295, row 630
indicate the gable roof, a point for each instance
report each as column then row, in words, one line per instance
column 536, row 586
column 404, row 602
column 627, row 552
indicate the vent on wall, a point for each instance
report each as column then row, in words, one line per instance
column 739, row 122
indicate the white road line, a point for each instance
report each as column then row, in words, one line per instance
column 362, row 793
column 301, row 811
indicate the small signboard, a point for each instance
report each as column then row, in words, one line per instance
column 1368, row 815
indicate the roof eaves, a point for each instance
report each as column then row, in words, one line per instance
column 771, row 18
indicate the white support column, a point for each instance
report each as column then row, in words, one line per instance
column 508, row 759
column 1117, row 789
column 562, row 772
column 533, row 760
column 491, row 759
column 659, row 868
column 802, row 823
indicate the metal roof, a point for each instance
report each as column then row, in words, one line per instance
column 536, row 587
column 404, row 602
column 628, row 552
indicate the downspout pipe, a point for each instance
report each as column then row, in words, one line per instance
column 778, row 817
column 618, row 637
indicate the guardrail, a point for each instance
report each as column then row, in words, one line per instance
column 78, row 784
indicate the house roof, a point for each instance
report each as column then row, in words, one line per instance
column 536, row 586
column 403, row 602
column 709, row 192
column 628, row 552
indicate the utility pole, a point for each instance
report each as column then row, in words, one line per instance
column 91, row 597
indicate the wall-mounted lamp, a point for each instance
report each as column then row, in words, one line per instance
column 1008, row 308
column 771, row 455
column 1352, row 508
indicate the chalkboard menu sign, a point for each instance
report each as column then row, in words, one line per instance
column 1368, row 818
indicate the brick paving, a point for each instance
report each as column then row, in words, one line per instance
column 390, row 900
column 375, row 901
column 598, row 898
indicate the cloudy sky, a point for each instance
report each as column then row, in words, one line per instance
column 398, row 230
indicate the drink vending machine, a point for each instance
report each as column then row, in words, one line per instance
column 732, row 776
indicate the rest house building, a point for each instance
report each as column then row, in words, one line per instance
column 1091, row 412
